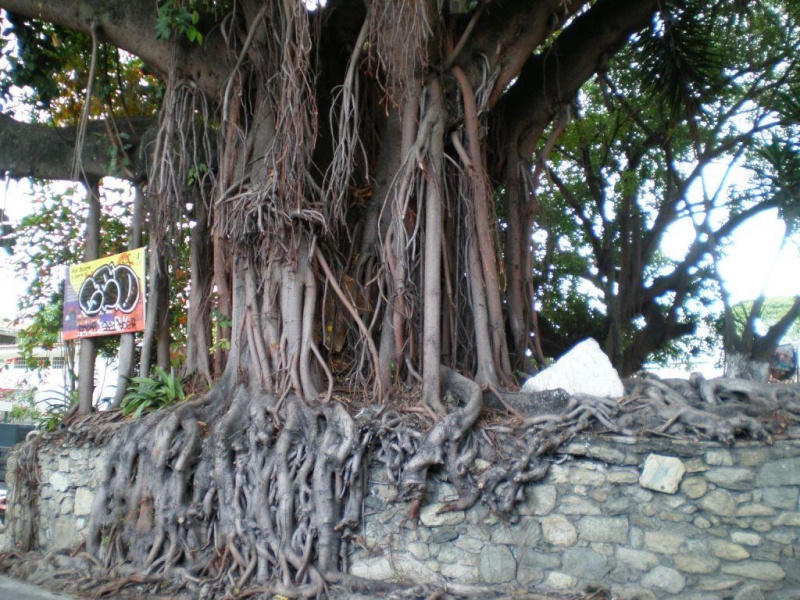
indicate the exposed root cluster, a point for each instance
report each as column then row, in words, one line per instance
column 243, row 494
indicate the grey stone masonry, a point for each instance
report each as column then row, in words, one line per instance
column 702, row 521
column 725, row 526
column 68, row 476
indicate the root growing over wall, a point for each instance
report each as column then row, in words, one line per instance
column 241, row 493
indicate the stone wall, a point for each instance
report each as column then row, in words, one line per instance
column 68, row 476
column 730, row 529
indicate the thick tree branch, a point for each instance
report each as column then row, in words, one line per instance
column 506, row 35
column 132, row 27
column 551, row 78
column 44, row 151
column 774, row 334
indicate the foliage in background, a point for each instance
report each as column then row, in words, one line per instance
column 771, row 313
column 53, row 63
column 54, row 408
column 146, row 394
column 24, row 409
column 50, row 239
column 632, row 162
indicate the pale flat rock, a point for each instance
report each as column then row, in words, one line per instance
column 662, row 473
column 585, row 369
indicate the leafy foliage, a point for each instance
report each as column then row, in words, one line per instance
column 146, row 394
column 771, row 312
column 53, row 62
column 50, row 239
column 628, row 168
column 183, row 18
column 54, row 408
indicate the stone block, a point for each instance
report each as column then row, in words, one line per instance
column 534, row 558
column 450, row 554
column 526, row 533
column 790, row 519
column 469, row 544
column 585, row 369
column 751, row 591
column 560, row 581
column 719, row 457
column 585, row 564
column 443, row 535
column 746, row 538
column 64, row 533
column 83, row 502
column 696, row 564
column 641, row 560
column 540, row 500
column 622, row 477
column 783, row 472
column 718, row 502
column 781, row 497
column 755, row 510
column 761, row 525
column 612, row 530
column 557, row 530
column 732, row 478
column 755, row 569
column 529, row 576
column 728, row 550
column 665, row 579
column 497, row 564
column 419, row 550
column 60, row 481
column 663, row 542
column 782, row 537
column 718, row 584
column 662, row 473
column 578, row 505
column 752, row 457
column 694, row 487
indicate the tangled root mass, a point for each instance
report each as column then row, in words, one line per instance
column 240, row 493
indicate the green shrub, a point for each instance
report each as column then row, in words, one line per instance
column 146, row 394
column 53, row 408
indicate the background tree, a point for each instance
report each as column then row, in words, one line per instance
column 636, row 158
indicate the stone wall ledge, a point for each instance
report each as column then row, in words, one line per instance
column 730, row 529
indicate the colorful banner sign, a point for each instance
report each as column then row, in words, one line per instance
column 105, row 296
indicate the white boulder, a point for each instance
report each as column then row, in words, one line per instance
column 585, row 369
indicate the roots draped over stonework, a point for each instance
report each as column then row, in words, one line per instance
column 240, row 492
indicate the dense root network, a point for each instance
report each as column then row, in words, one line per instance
column 240, row 493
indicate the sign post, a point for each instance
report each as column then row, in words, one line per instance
column 105, row 296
